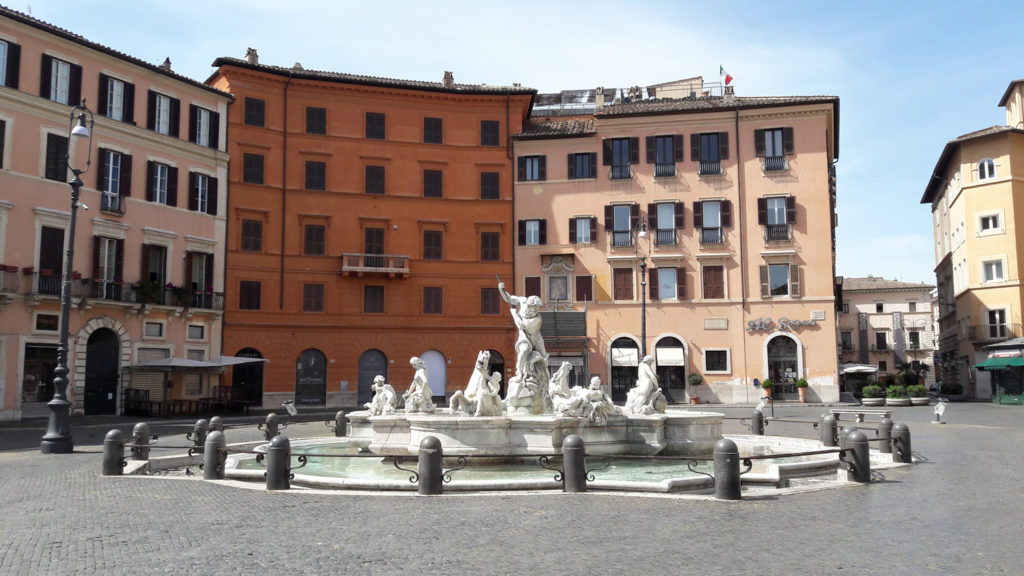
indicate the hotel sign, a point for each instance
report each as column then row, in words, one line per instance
column 784, row 324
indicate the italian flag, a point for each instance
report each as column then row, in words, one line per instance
column 726, row 78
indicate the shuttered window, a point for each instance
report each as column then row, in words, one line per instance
column 714, row 281
column 622, row 283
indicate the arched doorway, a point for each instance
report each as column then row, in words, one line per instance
column 498, row 365
column 371, row 363
column 101, row 367
column 248, row 378
column 670, row 357
column 311, row 378
column 625, row 360
column 437, row 372
column 783, row 364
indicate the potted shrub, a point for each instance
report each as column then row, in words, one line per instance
column 896, row 395
column 952, row 390
column 766, row 387
column 694, row 379
column 801, row 388
column 918, row 395
column 872, row 395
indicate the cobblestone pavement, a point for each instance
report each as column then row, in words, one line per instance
column 957, row 512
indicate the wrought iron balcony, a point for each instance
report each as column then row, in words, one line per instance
column 777, row 233
column 48, row 282
column 112, row 203
column 621, row 238
column 8, row 278
column 106, row 290
column 711, row 236
column 390, row 264
column 774, row 164
column 710, row 167
column 665, row 237
column 664, row 170
column 621, row 172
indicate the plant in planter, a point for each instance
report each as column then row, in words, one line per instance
column 801, row 388
column 896, row 395
column 695, row 380
column 918, row 395
column 872, row 395
column 954, row 390
column 182, row 294
column 766, row 387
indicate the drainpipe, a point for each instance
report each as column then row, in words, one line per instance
column 284, row 190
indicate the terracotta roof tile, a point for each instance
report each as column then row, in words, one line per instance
column 876, row 283
column 557, row 129
column 710, row 103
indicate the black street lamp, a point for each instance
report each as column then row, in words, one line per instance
column 640, row 232
column 57, row 439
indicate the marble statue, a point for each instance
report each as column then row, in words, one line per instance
column 601, row 405
column 528, row 389
column 646, row 397
column 418, row 397
column 567, row 401
column 481, row 396
column 384, row 401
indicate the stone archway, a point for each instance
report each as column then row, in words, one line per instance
column 625, row 361
column 101, row 373
column 80, row 346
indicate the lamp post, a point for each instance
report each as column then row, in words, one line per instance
column 640, row 232
column 57, row 439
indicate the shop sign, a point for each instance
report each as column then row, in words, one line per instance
column 784, row 324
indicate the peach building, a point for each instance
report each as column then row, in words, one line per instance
column 683, row 221
column 367, row 221
column 154, row 219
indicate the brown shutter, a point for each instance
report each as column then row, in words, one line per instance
column 149, row 180
column 214, row 130
column 151, row 110
column 593, row 165
column 765, row 288
column 572, row 230
column 651, row 150
column 652, row 216
column 634, row 150
column 172, row 186
column 522, row 232
column 680, row 283
column 794, row 280
column 126, row 176
column 128, row 107
column 119, row 259
column 521, row 168
column 680, row 215
column 593, row 229
column 790, row 210
column 144, row 270
column 75, row 86
column 188, row 270
column 652, row 285
column 726, row 212
column 677, row 148
column 694, row 147
column 211, row 196
column 95, row 257
column 542, row 172
column 572, row 166
column 175, row 118
column 762, row 211
column 13, row 65
column 543, row 231
column 101, row 106
column 193, row 192
column 193, row 111
column 787, row 141
column 531, row 286
column 634, row 216
column 723, row 145
column 104, row 158
column 44, row 76
column 759, row 142
column 609, row 217
column 698, row 214
column 606, row 152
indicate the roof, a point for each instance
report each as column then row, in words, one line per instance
column 557, row 129
column 1009, row 90
column 709, row 103
column 875, row 283
column 939, row 172
column 70, row 36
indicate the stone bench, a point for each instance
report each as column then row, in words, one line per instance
column 860, row 413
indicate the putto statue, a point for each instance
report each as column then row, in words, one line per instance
column 646, row 397
column 384, row 401
column 481, row 396
column 601, row 405
column 567, row 401
column 417, row 397
column 528, row 389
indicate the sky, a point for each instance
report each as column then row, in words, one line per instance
column 910, row 75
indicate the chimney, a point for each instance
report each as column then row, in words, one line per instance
column 599, row 97
column 449, row 80
column 730, row 93
column 251, row 56
column 167, row 64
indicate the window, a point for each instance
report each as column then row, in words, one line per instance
column 316, row 120
column 203, row 126
column 780, row 280
column 533, row 232
column 712, row 217
column 196, row 332
column 154, row 264
column 252, row 168
column 531, row 286
column 558, row 289
column 313, row 241
column 255, row 110
column 912, row 306
column 432, row 130
column 47, row 323
column 664, row 219
column 115, row 178
column 584, row 288
column 490, row 133
column 989, row 224
column 846, row 307
column 993, row 270
column 582, row 230
column 881, row 341
column 117, row 99
column 986, row 169
column 883, row 366
column 620, row 219
column 490, row 187
column 914, row 338
column 714, row 281
column 107, row 266
column 432, row 297
column 432, row 183
column 249, row 295
column 622, row 283
column 373, row 243
column 60, row 81
column 716, row 361
column 620, row 153
column 375, row 125
column 373, row 299
column 164, row 114
column 776, row 215
column 532, row 168
column 154, row 330
column 490, row 301
column 432, row 248
column 664, row 152
column 51, row 259
column 316, row 175
column 312, row 297
column 709, row 150
column 252, row 235
column 10, row 62
column 374, row 179
column 847, row 340
column 668, row 284
column 582, row 165
column 163, row 184
column 199, row 276
column 772, row 145
column 202, row 195
column 879, row 307
column 997, row 323
column 490, row 246
column 56, row 158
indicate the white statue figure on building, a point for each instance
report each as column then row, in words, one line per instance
column 646, row 397
column 481, row 396
column 567, row 401
column 385, row 400
column 417, row 397
column 529, row 393
column 601, row 405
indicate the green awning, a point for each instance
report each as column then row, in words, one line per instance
column 1001, row 363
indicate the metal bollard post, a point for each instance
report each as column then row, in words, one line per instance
column 757, row 424
column 272, row 426
column 727, row 470
column 198, row 434
column 279, row 458
column 844, row 436
column 429, row 466
column 901, row 444
column 340, row 424
column 216, row 423
column 574, row 460
column 828, row 430
column 885, row 434
column 860, row 461
column 113, row 453
column 141, row 449
column 214, row 456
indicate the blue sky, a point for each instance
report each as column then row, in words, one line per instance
column 910, row 75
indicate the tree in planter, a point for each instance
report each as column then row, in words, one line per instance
column 766, row 386
column 801, row 388
column 695, row 380
column 896, row 395
column 872, row 395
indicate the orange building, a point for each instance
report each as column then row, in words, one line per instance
column 367, row 220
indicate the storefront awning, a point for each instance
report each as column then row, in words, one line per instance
column 625, row 357
column 1000, row 363
column 858, row 369
column 671, row 356
column 187, row 365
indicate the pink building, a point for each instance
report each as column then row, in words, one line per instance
column 713, row 213
column 148, row 279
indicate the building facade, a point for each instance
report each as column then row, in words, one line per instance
column 369, row 219
column 148, row 274
column 974, row 203
column 689, row 223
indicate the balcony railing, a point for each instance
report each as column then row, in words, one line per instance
column 710, row 167
column 106, row 290
column 48, row 282
column 112, row 203
column 621, row 238
column 375, row 263
column 665, row 237
column 881, row 348
column 8, row 278
column 621, row 172
column 711, row 236
column 776, row 233
column 664, row 170
column 775, row 164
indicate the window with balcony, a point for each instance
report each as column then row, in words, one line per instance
column 163, row 184
column 664, row 219
column 154, row 266
column 433, row 132
column 433, row 248
column 202, row 193
column 709, row 149
column 772, row 145
column 56, row 164
column 620, row 221
column 115, row 180
column 433, row 300
column 582, row 165
column 373, row 299
column 255, row 111
column 252, row 235
column 375, row 126
column 107, row 267
column 711, row 218
column 986, row 169
column 992, row 270
column 777, row 215
column 314, row 240
column 316, row 175
column 199, row 277
column 664, row 152
column 620, row 154
column 533, row 232
column 10, row 63
column 51, row 253
column 117, row 99
column 374, row 179
column 316, row 120
column 997, row 324
column 780, row 280
column 881, row 341
column 582, row 230
column 847, row 340
column 373, row 246
column 164, row 114
column 490, row 301
column 490, row 133
column 203, row 126
column 622, row 283
column 532, row 168
column 312, row 297
column 668, row 284
column 584, row 288
column 713, row 281
column 60, row 81
column 433, row 183
column 252, row 168
column 490, row 246
column 490, row 186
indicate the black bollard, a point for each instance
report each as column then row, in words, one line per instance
column 844, row 435
column 279, row 458
column 885, row 436
column 272, row 426
column 214, row 456
column 757, row 424
column 828, row 430
column 727, row 470
column 901, row 444
column 113, row 453
column 860, row 458
column 198, row 434
column 429, row 467
column 340, row 424
column 574, row 459
column 216, row 423
column 140, row 450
